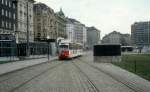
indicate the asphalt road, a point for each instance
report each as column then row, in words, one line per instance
column 61, row 76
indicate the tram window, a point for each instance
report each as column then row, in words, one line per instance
column 71, row 47
column 63, row 46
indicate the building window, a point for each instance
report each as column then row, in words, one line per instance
column 14, row 27
column 2, row 23
column 2, row 11
column 13, row 5
column 2, row 1
column 14, row 16
column 20, row 5
column 6, row 24
column 20, row 25
column 9, row 4
column 9, row 14
column 6, row 2
column 24, row 14
column 6, row 13
column 10, row 25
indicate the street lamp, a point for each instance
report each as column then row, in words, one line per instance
column 48, row 41
column 28, row 48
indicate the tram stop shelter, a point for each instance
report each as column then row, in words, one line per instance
column 107, row 53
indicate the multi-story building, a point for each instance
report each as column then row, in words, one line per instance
column 24, row 20
column 61, row 24
column 140, row 33
column 7, row 29
column 44, row 22
column 7, row 17
column 117, row 38
column 84, row 36
column 70, row 30
column 126, row 40
column 112, row 38
column 48, row 23
column 93, row 37
column 76, row 31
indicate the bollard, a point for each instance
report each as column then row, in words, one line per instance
column 135, row 66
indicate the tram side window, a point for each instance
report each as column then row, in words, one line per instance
column 71, row 47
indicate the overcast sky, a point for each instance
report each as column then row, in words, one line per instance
column 106, row 15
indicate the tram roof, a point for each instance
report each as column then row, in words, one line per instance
column 107, row 44
column 5, row 40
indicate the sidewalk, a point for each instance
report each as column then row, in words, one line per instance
column 10, row 67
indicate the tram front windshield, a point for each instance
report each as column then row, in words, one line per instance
column 64, row 47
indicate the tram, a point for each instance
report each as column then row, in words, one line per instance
column 68, row 50
column 127, row 48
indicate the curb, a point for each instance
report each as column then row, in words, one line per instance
column 23, row 65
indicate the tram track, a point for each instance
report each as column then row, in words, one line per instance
column 130, row 86
column 90, row 82
column 85, row 80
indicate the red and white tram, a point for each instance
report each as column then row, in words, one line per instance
column 68, row 49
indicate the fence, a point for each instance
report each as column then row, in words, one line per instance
column 136, row 63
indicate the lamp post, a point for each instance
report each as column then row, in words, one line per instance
column 148, row 34
column 48, row 41
column 28, row 49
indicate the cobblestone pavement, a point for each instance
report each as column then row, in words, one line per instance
column 60, row 76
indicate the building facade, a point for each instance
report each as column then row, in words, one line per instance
column 140, row 33
column 112, row 38
column 84, row 36
column 76, row 31
column 44, row 22
column 117, row 38
column 48, row 23
column 70, row 30
column 8, row 11
column 7, row 17
column 126, row 40
column 24, row 21
column 61, row 24
column 93, row 37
